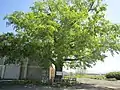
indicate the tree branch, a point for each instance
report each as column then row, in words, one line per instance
column 91, row 6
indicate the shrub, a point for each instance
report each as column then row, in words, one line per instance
column 115, row 75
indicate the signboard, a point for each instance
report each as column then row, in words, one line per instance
column 59, row 73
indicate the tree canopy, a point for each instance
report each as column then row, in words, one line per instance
column 57, row 30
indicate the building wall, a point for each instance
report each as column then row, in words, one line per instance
column 16, row 72
column 28, row 70
column 37, row 73
column 12, row 71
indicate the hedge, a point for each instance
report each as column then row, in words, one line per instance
column 115, row 75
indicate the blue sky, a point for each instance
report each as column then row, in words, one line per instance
column 113, row 14
column 9, row 6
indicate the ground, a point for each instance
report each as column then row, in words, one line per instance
column 114, row 85
column 83, row 87
column 85, row 84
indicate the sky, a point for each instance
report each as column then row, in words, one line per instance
column 110, row 63
column 112, row 14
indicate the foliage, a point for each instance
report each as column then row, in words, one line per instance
column 15, row 49
column 10, row 47
column 56, row 30
column 115, row 75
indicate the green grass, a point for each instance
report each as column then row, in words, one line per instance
column 98, row 77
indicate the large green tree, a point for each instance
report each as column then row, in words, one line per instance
column 60, row 30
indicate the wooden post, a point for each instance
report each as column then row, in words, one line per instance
column 52, row 73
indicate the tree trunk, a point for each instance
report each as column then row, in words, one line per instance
column 58, row 69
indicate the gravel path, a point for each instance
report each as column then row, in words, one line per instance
column 115, row 85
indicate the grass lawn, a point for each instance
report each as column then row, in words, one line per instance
column 99, row 77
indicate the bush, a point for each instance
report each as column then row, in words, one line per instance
column 115, row 75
